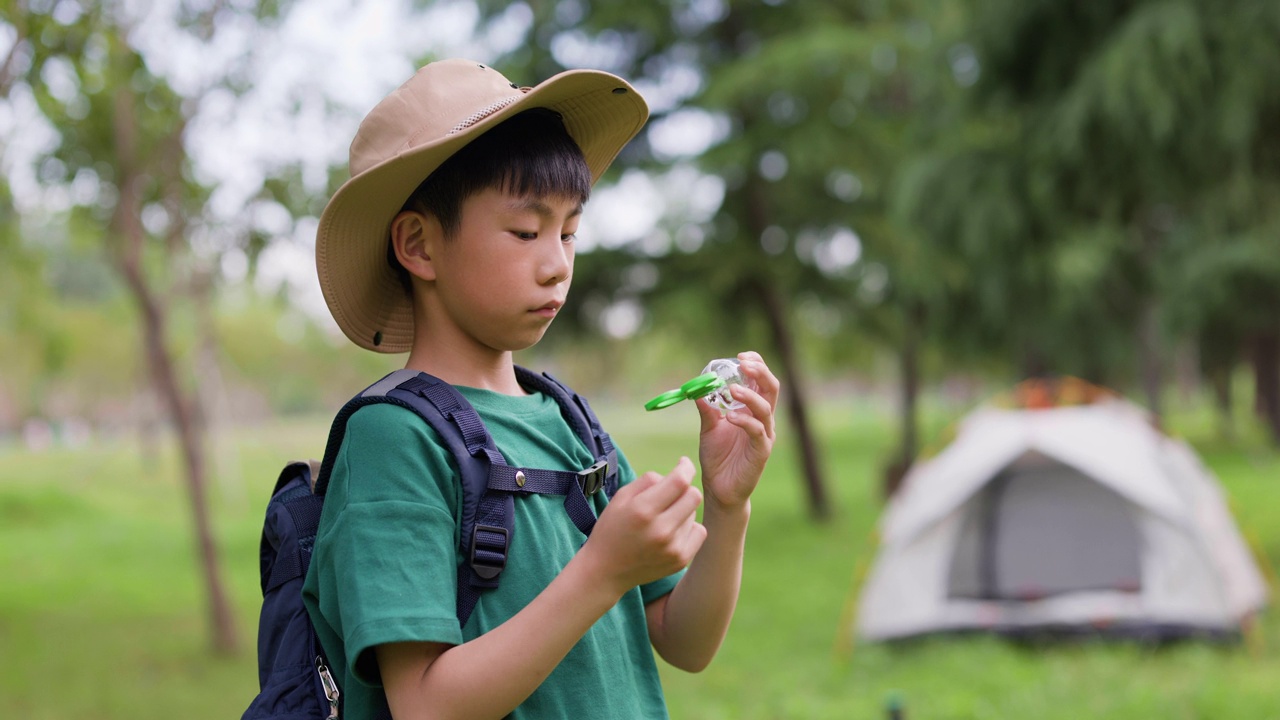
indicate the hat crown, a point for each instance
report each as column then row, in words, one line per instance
column 405, row 138
column 438, row 100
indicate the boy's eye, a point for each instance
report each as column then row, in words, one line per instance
column 568, row 238
column 526, row 235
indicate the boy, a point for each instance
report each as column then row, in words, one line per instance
column 460, row 272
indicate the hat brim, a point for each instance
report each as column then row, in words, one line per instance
column 601, row 112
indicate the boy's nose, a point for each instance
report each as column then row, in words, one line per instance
column 557, row 263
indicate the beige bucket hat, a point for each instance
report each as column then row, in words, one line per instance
column 446, row 105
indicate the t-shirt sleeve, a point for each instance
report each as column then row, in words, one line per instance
column 662, row 586
column 389, row 551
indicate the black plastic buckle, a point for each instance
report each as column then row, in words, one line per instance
column 485, row 568
column 592, row 479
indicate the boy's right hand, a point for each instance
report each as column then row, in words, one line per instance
column 649, row 529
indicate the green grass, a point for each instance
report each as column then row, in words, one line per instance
column 102, row 614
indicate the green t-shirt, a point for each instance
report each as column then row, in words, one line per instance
column 385, row 563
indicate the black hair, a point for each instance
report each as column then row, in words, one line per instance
column 528, row 154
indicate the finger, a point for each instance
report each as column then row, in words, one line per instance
column 707, row 413
column 661, row 493
column 755, row 368
column 683, row 509
column 693, row 537
column 751, row 425
column 767, row 384
column 759, row 407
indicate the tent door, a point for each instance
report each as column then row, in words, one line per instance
column 1042, row 528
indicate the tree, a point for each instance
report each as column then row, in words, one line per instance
column 1136, row 136
column 121, row 129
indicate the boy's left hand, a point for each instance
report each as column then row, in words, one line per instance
column 734, row 448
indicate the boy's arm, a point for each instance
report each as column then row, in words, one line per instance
column 647, row 531
column 492, row 674
column 688, row 625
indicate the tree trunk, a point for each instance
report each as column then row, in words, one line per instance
column 1187, row 372
column 127, row 249
column 211, row 395
column 758, row 218
column 1220, row 379
column 1149, row 358
column 1149, row 340
column 183, row 414
column 909, row 378
column 1033, row 362
column 794, row 396
column 1096, row 371
column 8, row 73
column 1266, row 374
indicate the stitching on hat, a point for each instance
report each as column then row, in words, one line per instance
column 483, row 113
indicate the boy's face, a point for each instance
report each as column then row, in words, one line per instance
column 504, row 276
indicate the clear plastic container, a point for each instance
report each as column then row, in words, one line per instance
column 729, row 370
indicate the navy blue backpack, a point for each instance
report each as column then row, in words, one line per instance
column 293, row 673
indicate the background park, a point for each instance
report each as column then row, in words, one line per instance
column 906, row 206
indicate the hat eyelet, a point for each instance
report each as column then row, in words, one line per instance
column 619, row 91
column 377, row 338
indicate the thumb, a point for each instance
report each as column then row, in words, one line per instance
column 707, row 413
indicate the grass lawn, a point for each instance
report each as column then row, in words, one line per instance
column 101, row 612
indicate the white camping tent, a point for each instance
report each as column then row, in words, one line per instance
column 1075, row 518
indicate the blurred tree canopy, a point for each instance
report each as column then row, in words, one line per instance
column 1128, row 192
column 1036, row 186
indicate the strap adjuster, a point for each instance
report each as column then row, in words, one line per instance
column 592, row 479
column 489, row 550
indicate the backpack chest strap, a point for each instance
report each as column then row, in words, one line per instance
column 576, row 487
column 603, row 475
column 485, row 552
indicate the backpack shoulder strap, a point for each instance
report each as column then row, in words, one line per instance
column 578, row 413
column 489, row 484
column 382, row 392
column 487, row 519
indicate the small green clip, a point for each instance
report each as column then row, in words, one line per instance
column 700, row 386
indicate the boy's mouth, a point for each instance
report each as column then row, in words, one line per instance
column 550, row 309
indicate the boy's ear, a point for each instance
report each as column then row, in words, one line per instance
column 416, row 238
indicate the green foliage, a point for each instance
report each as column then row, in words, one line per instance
column 120, row 164
column 1091, row 182
column 755, row 65
column 62, row 363
column 78, row 359
column 275, row 352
